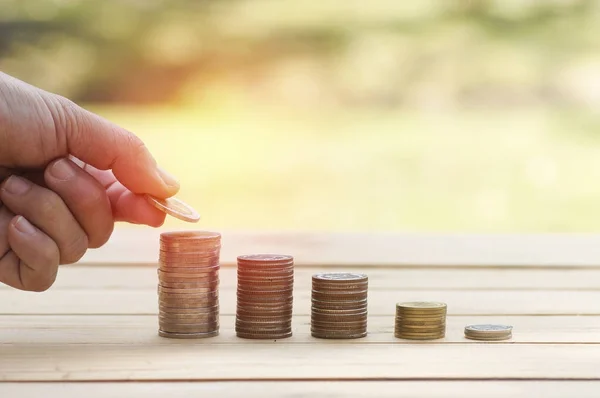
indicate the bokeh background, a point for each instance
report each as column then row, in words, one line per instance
column 341, row 115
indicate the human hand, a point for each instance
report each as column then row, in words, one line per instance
column 68, row 175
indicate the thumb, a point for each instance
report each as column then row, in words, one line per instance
column 105, row 146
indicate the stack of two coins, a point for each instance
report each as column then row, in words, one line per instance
column 339, row 306
column 420, row 321
column 264, row 296
column 188, row 285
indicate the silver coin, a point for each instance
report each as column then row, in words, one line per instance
column 488, row 328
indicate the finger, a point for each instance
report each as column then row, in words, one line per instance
column 85, row 197
column 5, row 218
column 105, row 146
column 47, row 211
column 126, row 206
column 133, row 208
column 32, row 264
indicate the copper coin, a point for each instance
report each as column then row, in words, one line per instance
column 182, row 329
column 179, row 236
column 261, row 320
column 265, row 267
column 188, row 335
column 194, row 262
column 196, row 304
column 339, row 304
column 195, row 291
column 347, row 312
column 187, row 277
column 338, row 298
column 267, row 292
column 201, row 327
column 262, row 328
column 339, row 277
column 339, row 318
column 169, row 308
column 190, row 248
column 200, row 324
column 265, row 258
column 189, row 270
column 282, row 274
column 265, row 277
column 189, row 285
column 187, row 321
column 197, row 295
column 251, row 289
column 281, row 311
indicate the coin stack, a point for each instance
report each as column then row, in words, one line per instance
column 339, row 305
column 488, row 332
column 188, row 286
column 264, row 296
column 420, row 321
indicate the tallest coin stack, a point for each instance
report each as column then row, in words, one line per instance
column 188, row 289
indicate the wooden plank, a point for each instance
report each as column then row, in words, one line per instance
column 144, row 277
column 142, row 330
column 140, row 245
column 182, row 360
column 381, row 302
column 331, row 389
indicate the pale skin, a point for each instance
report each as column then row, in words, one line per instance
column 67, row 175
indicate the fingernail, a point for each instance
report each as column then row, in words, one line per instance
column 168, row 178
column 62, row 170
column 24, row 226
column 16, row 185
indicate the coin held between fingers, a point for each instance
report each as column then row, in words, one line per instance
column 174, row 207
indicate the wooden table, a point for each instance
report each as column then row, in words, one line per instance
column 94, row 334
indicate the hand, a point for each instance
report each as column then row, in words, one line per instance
column 67, row 175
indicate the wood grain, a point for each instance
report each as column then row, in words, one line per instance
column 335, row 360
column 123, row 276
column 141, row 330
column 380, row 302
column 330, row 389
column 98, row 323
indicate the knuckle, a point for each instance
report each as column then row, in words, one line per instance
column 42, row 283
column 138, row 148
column 100, row 237
column 49, row 202
column 74, row 250
column 45, row 271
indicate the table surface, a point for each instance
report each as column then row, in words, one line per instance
column 94, row 333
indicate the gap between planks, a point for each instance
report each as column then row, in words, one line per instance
column 82, row 301
column 142, row 330
column 127, row 277
column 286, row 389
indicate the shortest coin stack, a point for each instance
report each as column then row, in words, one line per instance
column 420, row 321
column 488, row 332
column 264, row 296
column 339, row 306
column 188, row 276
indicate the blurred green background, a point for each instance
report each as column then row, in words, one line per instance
column 340, row 115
